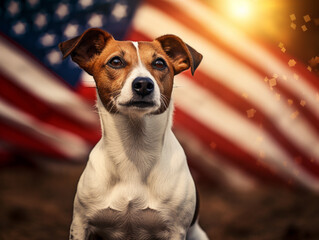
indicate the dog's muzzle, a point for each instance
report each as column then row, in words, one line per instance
column 141, row 95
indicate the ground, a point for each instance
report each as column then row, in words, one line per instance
column 36, row 204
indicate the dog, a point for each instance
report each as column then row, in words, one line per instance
column 136, row 184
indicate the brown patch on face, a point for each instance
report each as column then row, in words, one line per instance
column 109, row 80
column 149, row 52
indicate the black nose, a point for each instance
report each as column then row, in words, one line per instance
column 143, row 86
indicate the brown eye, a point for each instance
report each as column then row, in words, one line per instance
column 159, row 64
column 116, row 62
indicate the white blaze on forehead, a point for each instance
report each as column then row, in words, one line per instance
column 135, row 44
column 138, row 70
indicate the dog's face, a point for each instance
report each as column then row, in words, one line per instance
column 132, row 77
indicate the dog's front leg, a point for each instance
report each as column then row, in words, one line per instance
column 78, row 229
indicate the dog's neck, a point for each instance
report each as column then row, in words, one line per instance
column 133, row 139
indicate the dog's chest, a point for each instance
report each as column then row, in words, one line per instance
column 130, row 205
column 137, row 211
column 132, row 223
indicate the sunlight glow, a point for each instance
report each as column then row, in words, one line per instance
column 269, row 19
column 240, row 9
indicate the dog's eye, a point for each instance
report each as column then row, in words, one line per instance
column 116, row 62
column 159, row 64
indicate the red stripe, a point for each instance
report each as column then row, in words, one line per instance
column 194, row 25
column 305, row 111
column 24, row 142
column 199, row 171
column 27, row 102
column 89, row 93
column 211, row 170
column 211, row 174
column 224, row 147
column 5, row 156
column 240, row 105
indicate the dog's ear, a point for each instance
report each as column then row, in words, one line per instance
column 84, row 48
column 182, row 55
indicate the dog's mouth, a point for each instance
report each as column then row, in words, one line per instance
column 139, row 104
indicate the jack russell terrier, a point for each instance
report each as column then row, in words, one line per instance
column 137, row 184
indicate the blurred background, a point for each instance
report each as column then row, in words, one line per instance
column 248, row 119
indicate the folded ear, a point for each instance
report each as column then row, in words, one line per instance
column 182, row 55
column 85, row 47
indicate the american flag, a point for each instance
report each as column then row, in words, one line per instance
column 43, row 112
column 249, row 114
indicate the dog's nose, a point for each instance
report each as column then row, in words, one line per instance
column 143, row 86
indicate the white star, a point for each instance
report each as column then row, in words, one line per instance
column 13, row 8
column 62, row 10
column 95, row 20
column 71, row 30
column 119, row 11
column 85, row 3
column 32, row 3
column 19, row 28
column 40, row 20
column 54, row 57
column 47, row 39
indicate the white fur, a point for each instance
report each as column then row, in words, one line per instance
column 137, row 158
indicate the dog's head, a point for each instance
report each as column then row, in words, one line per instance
column 132, row 77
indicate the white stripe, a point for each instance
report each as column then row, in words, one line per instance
column 87, row 80
column 69, row 144
column 135, row 44
column 251, row 51
column 33, row 77
column 235, row 75
column 216, row 116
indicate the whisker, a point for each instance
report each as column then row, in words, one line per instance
column 164, row 97
column 164, row 100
